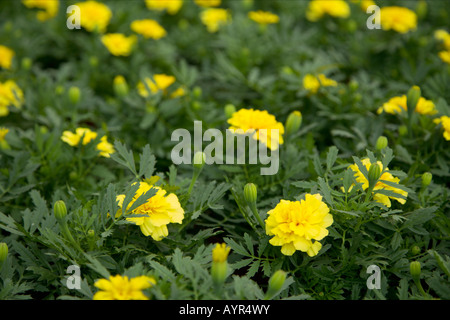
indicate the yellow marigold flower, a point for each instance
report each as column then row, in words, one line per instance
column 172, row 6
column 6, row 56
column 150, row 29
column 214, row 18
column 445, row 56
column 398, row 105
column 443, row 36
column 50, row 8
column 94, row 15
column 295, row 224
column 335, row 8
column 220, row 252
column 386, row 176
column 313, row 83
column 260, row 123
column 160, row 82
column 122, row 288
column 10, row 95
column 263, row 17
column 74, row 139
column 445, row 121
column 208, row 3
column 156, row 213
column 399, row 19
column 118, row 44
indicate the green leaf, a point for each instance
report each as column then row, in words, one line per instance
column 147, row 163
column 331, row 157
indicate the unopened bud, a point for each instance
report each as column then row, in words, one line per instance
column 250, row 193
column 374, row 174
column 287, row 70
column 120, row 86
column 74, row 94
column 197, row 92
column 415, row 270
column 3, row 252
column 229, row 110
column 293, row 122
column 426, row 179
column 412, row 98
column 199, row 160
column 219, row 268
column 276, row 282
column 60, row 210
column 26, row 63
column 415, row 250
column 402, row 130
column 382, row 143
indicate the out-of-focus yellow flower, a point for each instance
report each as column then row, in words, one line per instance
column 208, row 3
column 386, row 176
column 260, row 124
column 118, row 44
column 295, row 224
column 312, row 83
column 445, row 122
column 122, row 288
column 172, row 6
column 398, row 105
column 3, row 133
column 159, row 83
column 156, row 213
column 335, row 8
column 85, row 135
column 220, row 252
column 94, row 15
column 10, row 95
column 213, row 18
column 444, row 37
column 49, row 8
column 263, row 17
column 445, row 56
column 399, row 19
column 148, row 28
column 6, row 56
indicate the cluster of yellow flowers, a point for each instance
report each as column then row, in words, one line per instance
column 444, row 37
column 49, row 8
column 85, row 135
column 398, row 105
column 312, row 83
column 335, row 8
column 159, row 83
column 10, row 95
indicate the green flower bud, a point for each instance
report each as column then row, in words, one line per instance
column 287, row 70
column 183, row 24
column 293, row 122
column 196, row 105
column 402, row 130
column 219, row 271
column 415, row 270
column 412, row 98
column 426, row 179
column 74, row 94
column 250, row 193
column 276, row 282
column 120, row 86
column 60, row 210
column 197, row 92
column 354, row 85
column 382, row 143
column 199, row 160
column 26, row 63
column 229, row 110
column 415, row 250
column 93, row 61
column 59, row 90
column 421, row 9
column 374, row 174
column 3, row 252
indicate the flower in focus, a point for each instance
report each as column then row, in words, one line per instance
column 312, row 83
column 220, row 252
column 335, row 8
column 159, row 83
column 399, row 19
column 118, row 44
column 50, row 8
column 122, row 288
column 263, row 17
column 445, row 122
column 95, row 16
column 10, row 95
column 295, row 224
column 386, row 176
column 156, row 213
column 85, row 135
column 172, row 6
column 208, row 3
column 260, row 124
column 6, row 56
column 150, row 29
column 398, row 105
column 214, row 18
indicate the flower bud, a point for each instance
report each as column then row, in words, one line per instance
column 287, row 70
column 219, row 268
column 59, row 90
column 354, row 85
column 199, row 160
column 229, row 110
column 120, row 86
column 415, row 270
column 415, row 250
column 250, row 193
column 197, row 92
column 26, row 63
column 402, row 130
column 3, row 252
column 276, row 282
column 293, row 122
column 374, row 174
column 60, row 210
column 426, row 179
column 93, row 61
column 74, row 94
column 412, row 98
column 421, row 9
column 382, row 143
column 196, row 105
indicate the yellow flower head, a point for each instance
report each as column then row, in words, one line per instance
column 313, row 83
column 220, row 252
column 399, row 19
column 213, row 18
column 445, row 122
column 172, row 6
column 386, row 176
column 156, row 213
column 10, row 95
column 6, row 56
column 150, row 29
column 50, row 8
column 263, row 17
column 118, row 44
column 3, row 133
column 444, row 37
column 122, row 288
column 208, row 3
column 160, row 82
column 94, row 15
column 445, row 56
column 295, row 224
column 398, row 105
column 260, row 123
column 74, row 139
column 335, row 8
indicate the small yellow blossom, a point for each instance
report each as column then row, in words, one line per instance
column 399, row 19
column 95, row 16
column 444, row 37
column 172, row 6
column 10, row 95
column 312, row 83
column 260, row 124
column 213, row 18
column 445, row 56
column 118, row 44
column 156, row 213
column 6, row 56
column 335, row 8
column 49, row 8
column 159, row 83
column 295, row 224
column 3, row 133
column 208, row 3
column 220, row 252
column 149, row 28
column 263, row 17
column 122, row 288
column 386, row 176
column 445, row 122
column 85, row 135
column 398, row 105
